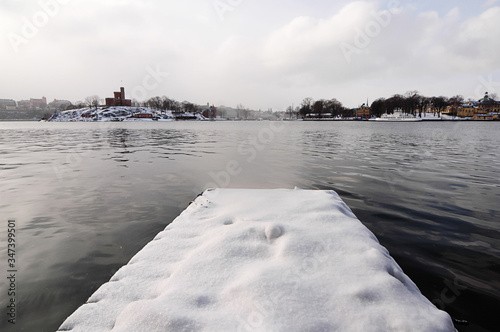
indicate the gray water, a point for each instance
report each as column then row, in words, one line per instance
column 86, row 197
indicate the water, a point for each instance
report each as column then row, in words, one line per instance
column 86, row 197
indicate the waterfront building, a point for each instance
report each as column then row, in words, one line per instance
column 487, row 109
column 7, row 104
column 210, row 112
column 59, row 104
column 488, row 104
column 362, row 112
column 33, row 103
column 38, row 103
column 467, row 110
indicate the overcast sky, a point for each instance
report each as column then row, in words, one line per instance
column 261, row 54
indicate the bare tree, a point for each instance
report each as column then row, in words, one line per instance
column 439, row 104
column 319, row 107
column 394, row 103
column 78, row 104
column 454, row 102
column 306, row 106
column 378, row 107
column 155, row 102
column 92, row 101
column 411, row 101
column 334, row 107
column 188, row 107
column 240, row 110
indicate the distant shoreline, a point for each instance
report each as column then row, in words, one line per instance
column 254, row 120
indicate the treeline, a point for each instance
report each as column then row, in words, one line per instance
column 414, row 103
column 333, row 107
column 411, row 102
column 165, row 103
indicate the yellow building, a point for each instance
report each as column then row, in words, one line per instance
column 483, row 116
column 488, row 105
column 449, row 110
column 362, row 112
column 466, row 111
column 494, row 108
column 487, row 109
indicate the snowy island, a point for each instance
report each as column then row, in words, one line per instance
column 122, row 113
column 261, row 260
column 119, row 108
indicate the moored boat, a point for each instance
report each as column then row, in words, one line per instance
column 397, row 116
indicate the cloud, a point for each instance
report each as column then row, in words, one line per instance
column 309, row 41
column 490, row 3
column 387, row 44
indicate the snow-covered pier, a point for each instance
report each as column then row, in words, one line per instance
column 261, row 260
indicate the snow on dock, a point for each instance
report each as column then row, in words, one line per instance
column 261, row 260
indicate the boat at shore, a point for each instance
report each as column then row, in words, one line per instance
column 397, row 116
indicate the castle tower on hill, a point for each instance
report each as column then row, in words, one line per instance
column 119, row 99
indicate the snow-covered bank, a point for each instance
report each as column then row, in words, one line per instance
column 121, row 113
column 261, row 260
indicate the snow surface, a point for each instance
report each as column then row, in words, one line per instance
column 118, row 113
column 261, row 260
